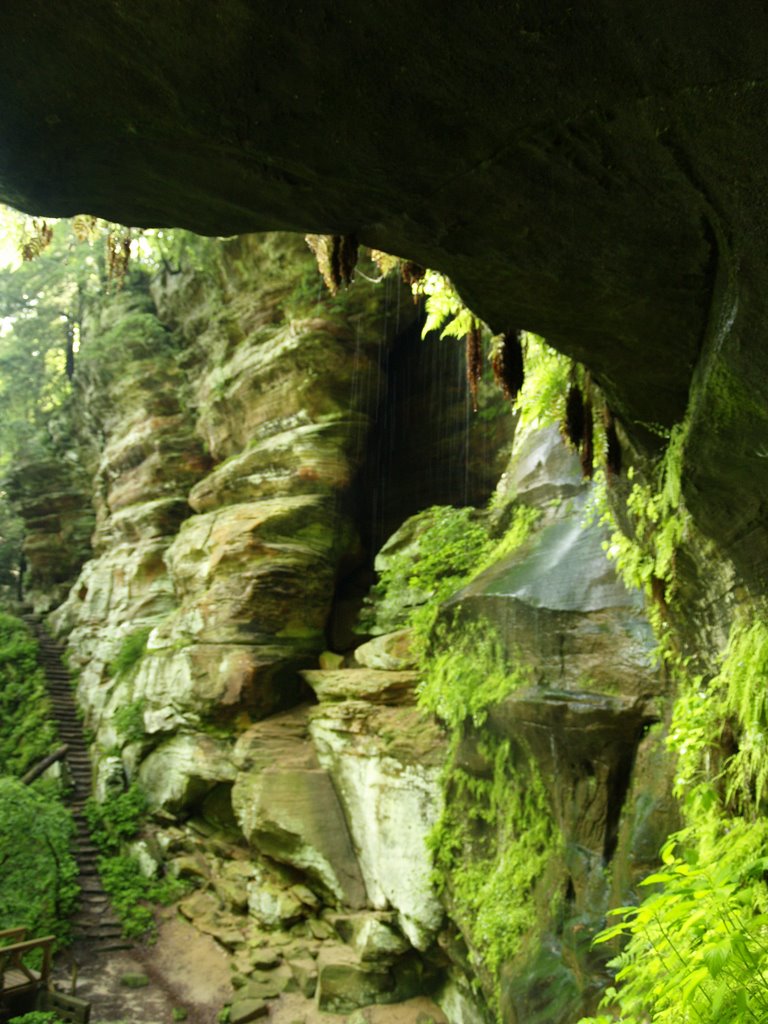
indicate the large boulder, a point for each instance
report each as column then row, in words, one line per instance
column 385, row 764
column 287, row 807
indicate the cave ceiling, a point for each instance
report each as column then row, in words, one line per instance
column 593, row 172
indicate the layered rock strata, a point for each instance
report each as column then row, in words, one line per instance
column 233, row 414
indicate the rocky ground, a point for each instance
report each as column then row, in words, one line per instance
column 186, row 976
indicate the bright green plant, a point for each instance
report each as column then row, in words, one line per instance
column 37, row 881
column 129, row 721
column 131, row 651
column 27, row 733
column 547, row 374
column 446, row 312
column 132, row 894
column 449, row 544
column 112, row 823
column 465, row 672
column 490, row 847
column 698, row 944
column 658, row 521
column 37, row 1017
column 697, row 948
column 117, row 819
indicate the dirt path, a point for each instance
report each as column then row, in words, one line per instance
column 187, row 978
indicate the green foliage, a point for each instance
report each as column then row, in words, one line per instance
column 177, row 251
column 37, row 1017
column 518, row 530
column 448, row 546
column 446, row 312
column 547, row 373
column 734, row 699
column 658, row 523
column 11, row 538
column 26, row 732
column 490, row 847
column 698, row 944
column 465, row 672
column 136, row 336
column 129, row 721
column 37, row 882
column 131, row 651
column 112, row 823
column 117, row 819
column 132, row 894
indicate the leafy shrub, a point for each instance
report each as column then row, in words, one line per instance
column 37, row 1017
column 131, row 651
column 698, row 944
column 37, row 882
column 111, row 823
column 117, row 819
column 131, row 893
column 697, row 948
column 26, row 732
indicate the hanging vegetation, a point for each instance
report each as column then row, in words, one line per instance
column 588, row 442
column 573, row 424
column 474, row 350
column 336, row 257
column 507, row 363
column 612, row 444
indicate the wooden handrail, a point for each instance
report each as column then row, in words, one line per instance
column 11, row 958
column 14, row 933
column 38, row 769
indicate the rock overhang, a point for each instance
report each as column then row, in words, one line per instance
column 596, row 176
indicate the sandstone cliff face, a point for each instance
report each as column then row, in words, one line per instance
column 242, row 425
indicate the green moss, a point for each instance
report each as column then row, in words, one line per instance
column 491, row 846
column 136, row 335
column 129, row 721
column 447, row 547
column 131, row 651
column 465, row 672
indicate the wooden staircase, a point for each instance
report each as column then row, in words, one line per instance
column 94, row 922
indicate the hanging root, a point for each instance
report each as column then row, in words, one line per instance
column 573, row 424
column 613, row 452
column 588, row 442
column 474, row 350
column 118, row 255
column 336, row 257
column 347, row 257
column 507, row 364
column 411, row 274
column 35, row 241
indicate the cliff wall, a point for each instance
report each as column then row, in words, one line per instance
column 251, row 443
